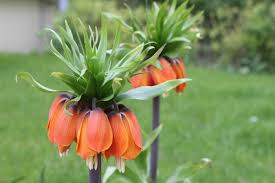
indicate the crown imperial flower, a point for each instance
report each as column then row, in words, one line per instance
column 172, row 26
column 85, row 113
column 127, row 141
column 171, row 69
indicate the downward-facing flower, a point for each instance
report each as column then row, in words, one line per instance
column 61, row 126
column 82, row 147
column 127, row 139
column 99, row 132
column 170, row 69
column 143, row 78
column 165, row 73
column 94, row 136
column 179, row 69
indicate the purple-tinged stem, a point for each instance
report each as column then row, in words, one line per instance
column 95, row 175
column 154, row 147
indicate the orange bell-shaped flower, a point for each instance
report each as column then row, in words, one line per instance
column 120, row 136
column 156, row 75
column 99, row 131
column 166, row 72
column 134, row 134
column 64, row 132
column 127, row 142
column 94, row 136
column 179, row 69
column 54, row 113
column 142, row 79
column 167, row 69
column 61, row 126
column 82, row 142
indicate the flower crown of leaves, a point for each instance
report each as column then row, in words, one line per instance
column 171, row 26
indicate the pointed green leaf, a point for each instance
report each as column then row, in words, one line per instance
column 150, row 61
column 179, row 39
column 102, row 48
column 191, row 21
column 152, row 137
column 147, row 92
column 142, row 161
column 118, row 19
column 29, row 79
column 175, row 177
column 110, row 170
column 91, row 86
column 114, row 49
column 75, row 83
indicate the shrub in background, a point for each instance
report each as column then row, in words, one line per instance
column 238, row 34
column 251, row 43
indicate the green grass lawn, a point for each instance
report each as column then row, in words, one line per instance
column 214, row 118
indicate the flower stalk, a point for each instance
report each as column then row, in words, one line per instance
column 154, row 147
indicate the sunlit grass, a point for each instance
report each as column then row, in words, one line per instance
column 226, row 117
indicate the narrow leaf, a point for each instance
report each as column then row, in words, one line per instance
column 152, row 137
column 75, row 83
column 147, row 92
column 110, row 170
column 29, row 79
column 118, row 19
column 102, row 48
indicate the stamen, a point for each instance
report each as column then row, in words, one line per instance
column 120, row 164
column 60, row 154
column 95, row 162
column 65, row 153
column 89, row 163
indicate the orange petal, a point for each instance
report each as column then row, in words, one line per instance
column 78, row 120
column 55, row 111
column 179, row 69
column 143, row 79
column 167, row 69
column 82, row 141
column 64, row 132
column 156, row 75
column 133, row 150
column 134, row 127
column 180, row 88
column 59, row 99
column 135, row 81
column 149, row 79
column 99, row 131
column 120, row 136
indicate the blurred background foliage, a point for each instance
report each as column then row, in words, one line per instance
column 237, row 34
